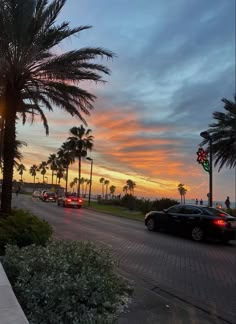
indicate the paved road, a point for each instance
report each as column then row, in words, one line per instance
column 203, row 275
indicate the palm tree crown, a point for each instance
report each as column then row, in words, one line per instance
column 223, row 135
column 35, row 76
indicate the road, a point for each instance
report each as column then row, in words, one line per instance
column 200, row 274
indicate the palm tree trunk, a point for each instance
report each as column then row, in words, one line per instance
column 52, row 177
column 8, row 152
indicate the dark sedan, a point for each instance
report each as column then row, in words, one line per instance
column 199, row 221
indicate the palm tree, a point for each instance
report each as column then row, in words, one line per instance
column 182, row 190
column 223, row 136
column 102, row 182
column 131, row 185
column 60, row 171
column 112, row 190
column 33, row 171
column 80, row 142
column 43, row 167
column 52, row 162
column 125, row 189
column 34, row 76
column 74, row 183
column 21, row 168
column 66, row 157
column 106, row 183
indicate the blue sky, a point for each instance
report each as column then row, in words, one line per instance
column 175, row 61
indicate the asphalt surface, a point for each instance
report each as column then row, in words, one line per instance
column 176, row 280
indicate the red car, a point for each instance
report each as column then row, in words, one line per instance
column 70, row 201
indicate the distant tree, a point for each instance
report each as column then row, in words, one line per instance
column 66, row 157
column 106, row 183
column 102, row 182
column 33, row 171
column 52, row 162
column 125, row 189
column 112, row 190
column 21, row 168
column 223, row 135
column 43, row 167
column 131, row 185
column 80, row 142
column 60, row 171
column 182, row 191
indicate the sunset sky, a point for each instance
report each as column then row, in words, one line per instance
column 175, row 61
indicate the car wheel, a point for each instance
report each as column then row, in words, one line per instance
column 197, row 233
column 151, row 226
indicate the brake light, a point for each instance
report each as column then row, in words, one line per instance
column 80, row 200
column 68, row 199
column 219, row 222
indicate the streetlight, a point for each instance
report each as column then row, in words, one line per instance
column 91, row 174
column 207, row 136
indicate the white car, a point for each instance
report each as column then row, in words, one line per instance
column 36, row 194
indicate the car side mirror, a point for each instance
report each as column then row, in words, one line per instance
column 165, row 211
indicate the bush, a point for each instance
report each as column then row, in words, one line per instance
column 22, row 228
column 163, row 203
column 66, row 282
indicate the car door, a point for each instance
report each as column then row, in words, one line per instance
column 191, row 216
column 174, row 218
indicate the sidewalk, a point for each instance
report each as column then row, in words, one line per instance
column 149, row 307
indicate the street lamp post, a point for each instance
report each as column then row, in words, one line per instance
column 91, row 175
column 207, row 136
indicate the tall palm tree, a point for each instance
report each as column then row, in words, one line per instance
column 106, row 183
column 223, row 135
column 21, row 168
column 80, row 142
column 33, row 171
column 43, row 167
column 34, row 76
column 102, row 182
column 66, row 157
column 52, row 162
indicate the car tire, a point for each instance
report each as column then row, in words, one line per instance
column 63, row 204
column 197, row 234
column 151, row 225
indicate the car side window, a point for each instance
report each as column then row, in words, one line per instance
column 175, row 209
column 191, row 210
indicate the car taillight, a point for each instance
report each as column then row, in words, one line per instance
column 80, row 200
column 219, row 222
column 68, row 199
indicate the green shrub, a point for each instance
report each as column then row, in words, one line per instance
column 66, row 282
column 22, row 228
column 163, row 203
